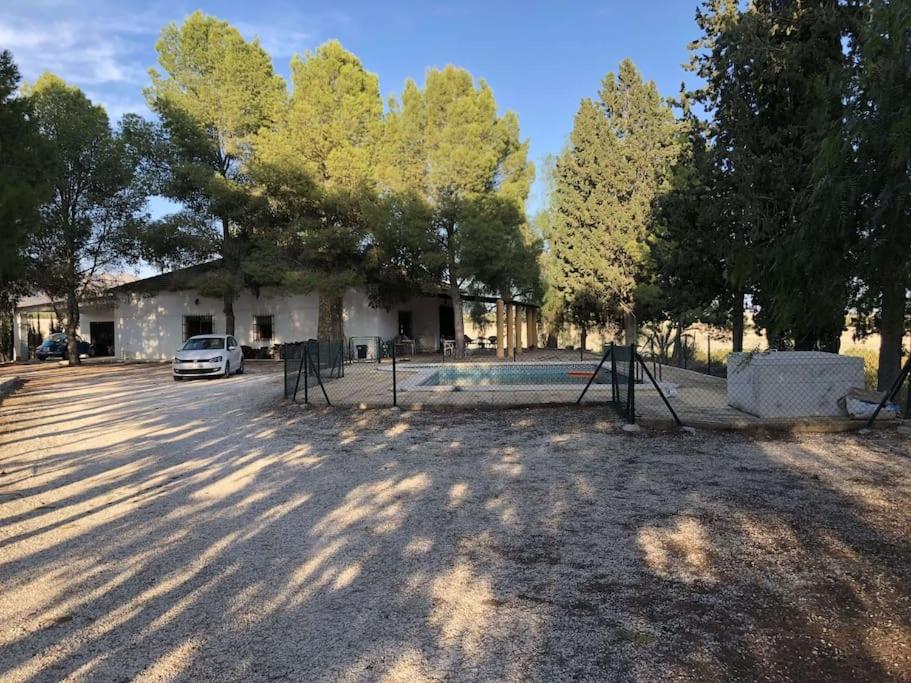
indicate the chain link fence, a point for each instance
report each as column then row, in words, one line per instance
column 754, row 388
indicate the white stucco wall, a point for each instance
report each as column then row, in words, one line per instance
column 150, row 327
column 363, row 321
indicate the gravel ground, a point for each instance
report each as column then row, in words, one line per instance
column 154, row 530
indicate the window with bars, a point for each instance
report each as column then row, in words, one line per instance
column 263, row 326
column 196, row 324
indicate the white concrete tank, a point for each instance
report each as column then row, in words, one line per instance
column 792, row 383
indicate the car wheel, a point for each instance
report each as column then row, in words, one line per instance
column 240, row 370
column 227, row 368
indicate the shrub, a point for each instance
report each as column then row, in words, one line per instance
column 871, row 363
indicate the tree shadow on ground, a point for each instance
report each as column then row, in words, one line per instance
column 199, row 531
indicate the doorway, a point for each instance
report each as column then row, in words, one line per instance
column 101, row 335
column 447, row 323
column 406, row 325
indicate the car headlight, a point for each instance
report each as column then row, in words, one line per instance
column 217, row 359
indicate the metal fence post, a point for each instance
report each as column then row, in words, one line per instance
column 893, row 391
column 708, row 340
column 395, row 388
column 908, row 401
column 300, row 368
column 615, row 388
column 306, row 362
column 631, row 383
column 660, row 391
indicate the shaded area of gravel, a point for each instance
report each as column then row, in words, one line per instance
column 205, row 531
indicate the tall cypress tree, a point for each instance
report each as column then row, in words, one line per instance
column 620, row 156
column 775, row 89
column 880, row 132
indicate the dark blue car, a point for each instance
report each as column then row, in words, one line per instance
column 55, row 345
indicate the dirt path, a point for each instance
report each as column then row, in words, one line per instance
column 203, row 531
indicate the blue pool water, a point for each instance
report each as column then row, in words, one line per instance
column 471, row 374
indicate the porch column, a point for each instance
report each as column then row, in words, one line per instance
column 510, row 329
column 501, row 333
column 518, row 330
column 530, row 328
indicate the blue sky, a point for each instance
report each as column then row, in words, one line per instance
column 540, row 58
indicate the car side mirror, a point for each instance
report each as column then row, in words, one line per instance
column 231, row 348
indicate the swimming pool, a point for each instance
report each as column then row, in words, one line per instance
column 506, row 377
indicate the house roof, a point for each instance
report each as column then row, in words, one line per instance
column 183, row 278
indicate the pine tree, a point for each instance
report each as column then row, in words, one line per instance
column 319, row 166
column 94, row 217
column 214, row 93
column 775, row 89
column 447, row 145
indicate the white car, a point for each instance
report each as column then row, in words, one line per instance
column 208, row 355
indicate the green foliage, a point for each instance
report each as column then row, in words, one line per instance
column 91, row 223
column 446, row 145
column 879, row 127
column 317, row 167
column 599, row 229
column 23, row 184
column 775, row 89
column 214, row 94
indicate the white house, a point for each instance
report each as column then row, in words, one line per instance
column 150, row 319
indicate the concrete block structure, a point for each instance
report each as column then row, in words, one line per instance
column 791, row 384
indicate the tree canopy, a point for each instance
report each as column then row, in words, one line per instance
column 93, row 220
column 446, row 146
column 213, row 95
column 619, row 158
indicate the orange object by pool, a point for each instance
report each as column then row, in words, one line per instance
column 581, row 373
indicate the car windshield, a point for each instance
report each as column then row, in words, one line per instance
column 204, row 344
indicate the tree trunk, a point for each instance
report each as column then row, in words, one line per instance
column 892, row 331
column 678, row 351
column 229, row 313
column 630, row 329
column 231, row 265
column 583, row 341
column 738, row 322
column 330, row 326
column 456, row 297
column 72, row 324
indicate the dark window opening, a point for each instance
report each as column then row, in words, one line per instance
column 405, row 326
column 262, row 327
column 194, row 325
column 447, row 322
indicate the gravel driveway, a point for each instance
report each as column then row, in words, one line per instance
column 203, row 530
